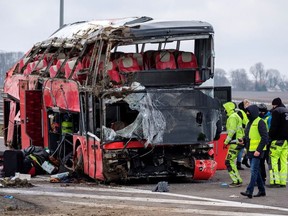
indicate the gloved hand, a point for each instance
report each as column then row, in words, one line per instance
column 240, row 144
column 226, row 142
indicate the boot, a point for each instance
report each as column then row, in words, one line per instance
column 247, row 194
column 245, row 161
column 239, row 166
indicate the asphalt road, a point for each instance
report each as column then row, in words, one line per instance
column 183, row 198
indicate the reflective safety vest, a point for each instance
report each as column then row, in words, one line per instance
column 254, row 135
column 67, row 127
column 266, row 122
column 245, row 119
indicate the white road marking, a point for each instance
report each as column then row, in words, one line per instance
column 218, row 201
column 168, row 209
column 208, row 201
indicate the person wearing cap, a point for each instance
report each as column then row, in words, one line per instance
column 278, row 133
column 242, row 113
column 266, row 116
column 235, row 134
column 256, row 139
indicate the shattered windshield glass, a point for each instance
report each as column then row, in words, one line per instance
column 182, row 116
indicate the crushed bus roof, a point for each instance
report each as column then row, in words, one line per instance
column 159, row 28
column 135, row 28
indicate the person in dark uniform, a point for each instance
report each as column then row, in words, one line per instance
column 279, row 144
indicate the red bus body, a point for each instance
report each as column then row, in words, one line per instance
column 142, row 113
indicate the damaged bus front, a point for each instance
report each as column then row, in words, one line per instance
column 138, row 94
column 160, row 132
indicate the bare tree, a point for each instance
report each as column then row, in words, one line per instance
column 220, row 78
column 260, row 76
column 240, row 80
column 274, row 78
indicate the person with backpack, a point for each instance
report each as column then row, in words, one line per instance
column 279, row 144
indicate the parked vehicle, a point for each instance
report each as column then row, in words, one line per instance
column 119, row 99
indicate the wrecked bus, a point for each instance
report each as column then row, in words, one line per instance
column 118, row 99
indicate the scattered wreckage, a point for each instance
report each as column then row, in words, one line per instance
column 118, row 99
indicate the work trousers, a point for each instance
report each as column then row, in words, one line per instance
column 278, row 162
column 231, row 165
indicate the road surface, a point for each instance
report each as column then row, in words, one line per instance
column 183, row 198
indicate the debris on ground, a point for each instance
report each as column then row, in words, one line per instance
column 234, row 196
column 8, row 197
column 161, row 187
column 22, row 176
column 15, row 182
column 65, row 177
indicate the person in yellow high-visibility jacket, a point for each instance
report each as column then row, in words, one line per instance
column 235, row 133
column 256, row 138
column 66, row 125
column 242, row 113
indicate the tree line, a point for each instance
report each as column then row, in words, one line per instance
column 256, row 79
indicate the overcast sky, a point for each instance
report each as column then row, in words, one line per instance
column 246, row 31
